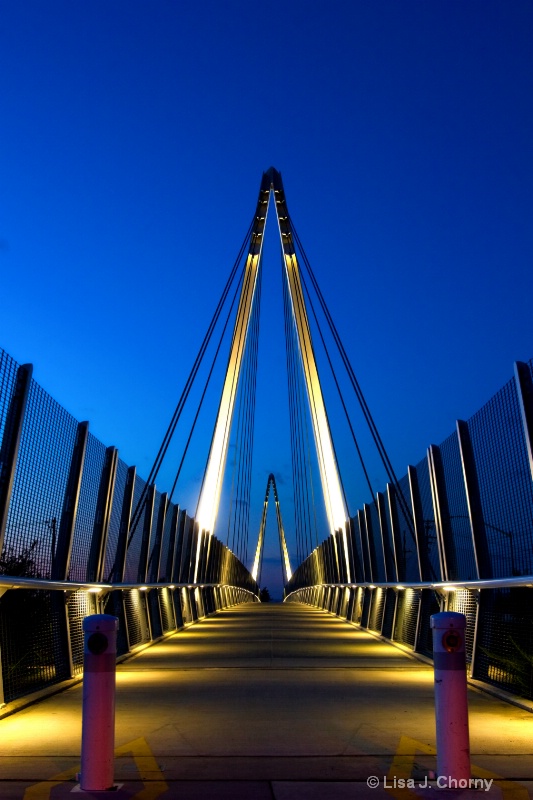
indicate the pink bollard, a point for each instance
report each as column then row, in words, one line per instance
column 98, row 720
column 451, row 705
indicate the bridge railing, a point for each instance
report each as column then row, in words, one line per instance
column 67, row 548
column 463, row 540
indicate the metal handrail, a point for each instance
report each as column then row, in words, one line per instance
column 445, row 586
column 16, row 582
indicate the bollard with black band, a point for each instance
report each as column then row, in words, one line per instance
column 451, row 705
column 98, row 722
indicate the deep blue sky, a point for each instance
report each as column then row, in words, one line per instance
column 133, row 139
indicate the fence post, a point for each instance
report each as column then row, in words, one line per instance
column 524, row 386
column 473, row 500
column 96, row 563
column 8, row 458
column 374, row 574
column 445, row 539
column 389, row 553
column 142, row 570
column 424, row 565
column 365, row 550
column 11, row 441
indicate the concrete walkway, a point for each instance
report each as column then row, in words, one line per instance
column 264, row 702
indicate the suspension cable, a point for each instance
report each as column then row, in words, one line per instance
column 186, row 390
column 355, row 384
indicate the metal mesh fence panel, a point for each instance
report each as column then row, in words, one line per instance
column 134, row 549
column 114, row 520
column 136, row 619
column 459, row 519
column 154, row 544
column 155, row 614
column 464, row 601
column 505, row 483
column 366, row 608
column 409, row 555
column 165, row 546
column 356, row 545
column 30, row 663
column 430, row 604
column 505, row 640
column 165, row 604
column 8, row 375
column 430, row 532
column 376, row 610
column 186, row 612
column 115, row 606
column 358, row 606
column 83, row 531
column 79, row 606
column 388, row 614
column 374, row 537
column 407, row 617
column 47, row 439
column 388, row 547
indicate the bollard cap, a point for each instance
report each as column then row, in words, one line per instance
column 448, row 619
column 100, row 622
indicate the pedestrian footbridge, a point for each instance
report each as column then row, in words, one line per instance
column 263, row 701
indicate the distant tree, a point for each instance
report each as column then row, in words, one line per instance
column 20, row 565
column 264, row 595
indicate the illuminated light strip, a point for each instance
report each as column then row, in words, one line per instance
column 331, row 486
column 209, row 500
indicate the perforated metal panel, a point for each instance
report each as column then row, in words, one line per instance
column 79, row 605
column 409, row 555
column 459, row 520
column 407, row 616
column 374, row 537
column 114, row 605
column 389, row 612
column 430, row 531
column 165, row 604
column 114, row 521
column 464, row 601
column 47, row 440
column 376, row 609
column 430, row 604
column 31, row 662
column 505, row 483
column 155, row 614
column 83, row 532
column 134, row 550
column 504, row 653
column 8, row 375
column 136, row 619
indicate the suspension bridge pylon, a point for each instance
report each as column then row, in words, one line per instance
column 285, row 561
column 337, row 515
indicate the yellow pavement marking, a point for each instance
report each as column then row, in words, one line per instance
column 402, row 765
column 145, row 762
column 41, row 791
column 403, row 762
column 148, row 769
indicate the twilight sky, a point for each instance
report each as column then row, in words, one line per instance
column 132, row 143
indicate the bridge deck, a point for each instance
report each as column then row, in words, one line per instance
column 264, row 701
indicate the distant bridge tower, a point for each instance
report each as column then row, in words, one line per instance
column 285, row 562
column 272, row 186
